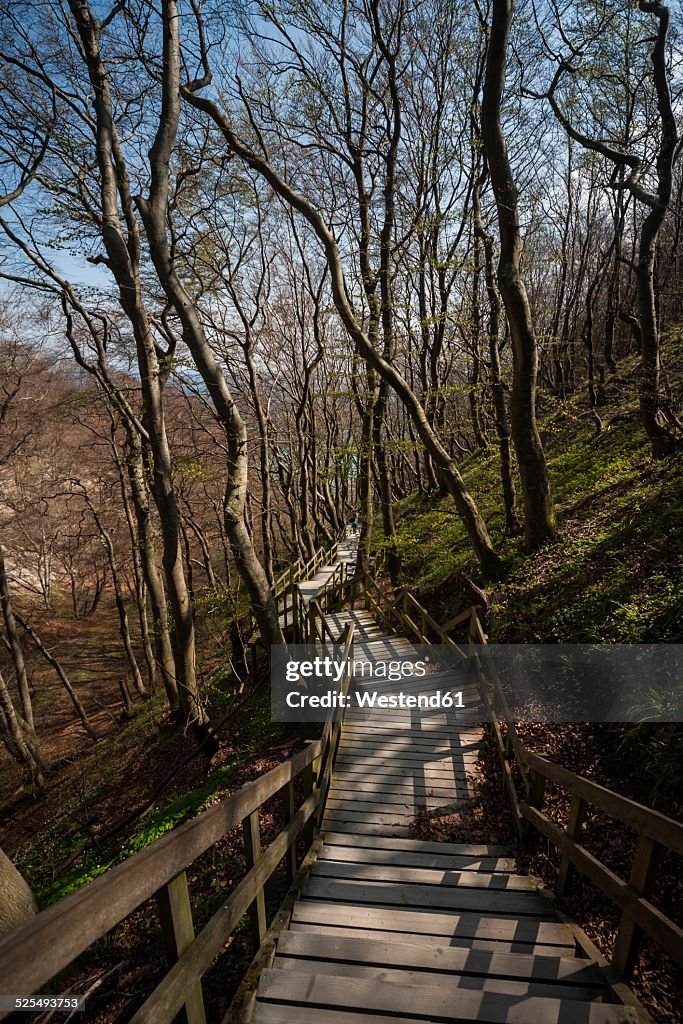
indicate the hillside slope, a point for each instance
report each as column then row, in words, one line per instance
column 614, row 574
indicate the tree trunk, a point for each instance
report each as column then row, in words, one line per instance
column 123, row 254
column 444, row 465
column 15, row 645
column 513, row 524
column 154, row 583
column 538, row 505
column 17, row 902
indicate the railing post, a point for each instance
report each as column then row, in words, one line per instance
column 309, row 774
column 251, row 827
column 472, row 631
column 288, row 795
column 642, row 878
column 577, row 814
column 536, row 789
column 175, row 914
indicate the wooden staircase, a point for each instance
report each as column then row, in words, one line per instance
column 393, row 929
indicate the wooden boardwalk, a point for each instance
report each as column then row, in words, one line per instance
column 392, row 929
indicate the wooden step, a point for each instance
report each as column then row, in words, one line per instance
column 436, row 921
column 344, row 800
column 424, row 876
column 451, row 983
column 428, row 897
column 424, row 846
column 280, row 1013
column 368, row 817
column 443, row 959
column 430, row 1003
column 354, row 854
column 368, row 829
column 402, row 787
column 428, row 940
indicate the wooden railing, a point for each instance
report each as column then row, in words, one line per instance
column 299, row 617
column 287, row 598
column 302, row 568
column 32, row 955
column 657, row 834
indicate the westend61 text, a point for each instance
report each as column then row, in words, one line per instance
column 440, row 700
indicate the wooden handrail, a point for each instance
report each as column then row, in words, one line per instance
column 34, row 953
column 313, row 608
column 657, row 833
column 294, row 572
column 645, row 820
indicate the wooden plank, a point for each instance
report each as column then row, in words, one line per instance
column 402, row 787
column 435, row 764
column 354, row 722
column 369, row 816
column 427, row 684
column 280, row 1013
column 289, row 804
column 389, row 894
column 577, row 813
column 441, row 958
column 446, row 760
column 400, row 858
column 252, row 852
column 417, row 749
column 346, row 802
column 420, row 797
column 427, row 940
column 424, row 876
column 406, row 803
column 357, row 725
column 431, row 1002
column 424, row 846
column 646, row 862
column 465, row 925
column 408, row 749
column 399, row 974
column 422, row 779
column 360, row 828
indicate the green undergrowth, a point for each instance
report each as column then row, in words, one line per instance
column 67, row 835
column 614, row 572
column 151, row 827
